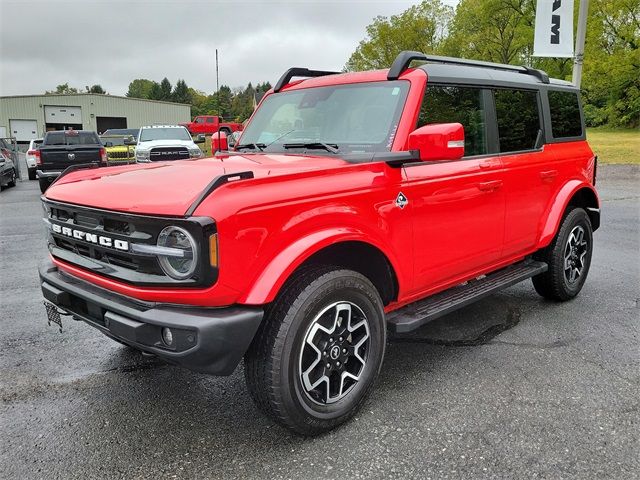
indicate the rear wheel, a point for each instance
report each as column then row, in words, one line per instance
column 44, row 184
column 319, row 350
column 32, row 173
column 568, row 257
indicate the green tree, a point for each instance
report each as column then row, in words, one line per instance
column 156, row 92
column 611, row 78
column 165, row 90
column 140, row 88
column 181, row 93
column 492, row 30
column 198, row 102
column 95, row 89
column 62, row 89
column 421, row 27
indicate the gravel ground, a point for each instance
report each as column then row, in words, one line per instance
column 511, row 387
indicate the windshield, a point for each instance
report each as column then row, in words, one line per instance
column 354, row 118
column 123, row 131
column 114, row 141
column 164, row 133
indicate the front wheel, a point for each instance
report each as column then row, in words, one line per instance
column 319, row 350
column 568, row 257
column 12, row 182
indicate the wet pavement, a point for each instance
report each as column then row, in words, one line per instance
column 511, row 387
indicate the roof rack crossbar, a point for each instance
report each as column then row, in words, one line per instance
column 404, row 59
column 299, row 72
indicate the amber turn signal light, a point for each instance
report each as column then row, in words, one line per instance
column 213, row 250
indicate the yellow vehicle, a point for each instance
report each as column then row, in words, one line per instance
column 120, row 149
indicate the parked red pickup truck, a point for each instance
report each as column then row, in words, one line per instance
column 354, row 204
column 209, row 124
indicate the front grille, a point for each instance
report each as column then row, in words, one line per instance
column 119, row 155
column 91, row 225
column 168, row 153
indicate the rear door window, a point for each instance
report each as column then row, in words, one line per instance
column 453, row 104
column 565, row 114
column 518, row 115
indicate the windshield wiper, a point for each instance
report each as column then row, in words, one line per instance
column 333, row 148
column 252, row 146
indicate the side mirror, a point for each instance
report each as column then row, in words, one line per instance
column 200, row 139
column 438, row 141
column 129, row 141
column 219, row 142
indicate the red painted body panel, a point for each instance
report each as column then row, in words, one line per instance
column 464, row 218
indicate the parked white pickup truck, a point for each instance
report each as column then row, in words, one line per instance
column 166, row 142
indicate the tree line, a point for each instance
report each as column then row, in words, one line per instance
column 232, row 104
column 502, row 31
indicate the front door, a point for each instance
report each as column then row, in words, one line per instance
column 457, row 207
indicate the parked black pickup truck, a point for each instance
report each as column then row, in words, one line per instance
column 62, row 149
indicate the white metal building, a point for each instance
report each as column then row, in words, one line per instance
column 30, row 116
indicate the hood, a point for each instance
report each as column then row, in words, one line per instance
column 165, row 143
column 169, row 188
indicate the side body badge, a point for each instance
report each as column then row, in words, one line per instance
column 401, row 201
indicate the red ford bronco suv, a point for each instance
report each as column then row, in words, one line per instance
column 353, row 204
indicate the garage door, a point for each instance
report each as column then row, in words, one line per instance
column 23, row 130
column 65, row 115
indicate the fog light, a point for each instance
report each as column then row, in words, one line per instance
column 167, row 336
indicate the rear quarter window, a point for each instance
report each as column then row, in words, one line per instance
column 565, row 114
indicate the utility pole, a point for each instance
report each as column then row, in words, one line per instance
column 217, row 98
column 580, row 37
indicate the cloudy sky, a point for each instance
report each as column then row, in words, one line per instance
column 48, row 42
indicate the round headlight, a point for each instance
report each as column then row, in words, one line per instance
column 183, row 263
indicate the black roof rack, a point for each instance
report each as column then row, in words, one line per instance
column 402, row 61
column 299, row 72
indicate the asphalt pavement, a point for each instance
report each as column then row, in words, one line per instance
column 511, row 387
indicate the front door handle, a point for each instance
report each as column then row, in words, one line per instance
column 490, row 186
column 548, row 174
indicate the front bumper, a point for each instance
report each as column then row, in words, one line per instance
column 209, row 340
column 50, row 175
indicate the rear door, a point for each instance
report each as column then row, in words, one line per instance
column 530, row 170
column 458, row 207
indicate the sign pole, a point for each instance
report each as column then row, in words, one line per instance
column 580, row 37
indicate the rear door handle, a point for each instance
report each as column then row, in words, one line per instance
column 490, row 186
column 548, row 174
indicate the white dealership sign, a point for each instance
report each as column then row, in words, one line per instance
column 554, row 29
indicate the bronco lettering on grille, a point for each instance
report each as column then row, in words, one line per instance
column 91, row 237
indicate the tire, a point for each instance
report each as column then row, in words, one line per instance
column 572, row 247
column 12, row 183
column 285, row 369
column 32, row 173
column 44, row 184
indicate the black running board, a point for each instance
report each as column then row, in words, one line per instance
column 417, row 314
